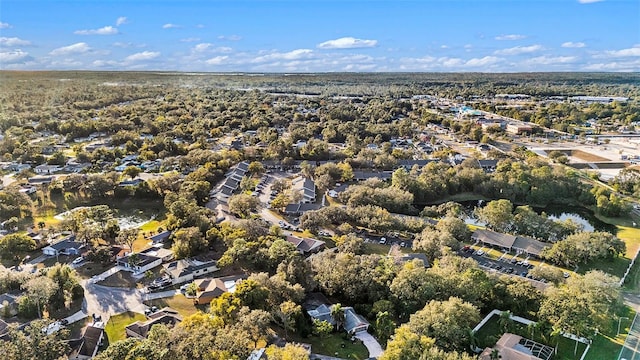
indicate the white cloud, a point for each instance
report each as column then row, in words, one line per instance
column 444, row 46
column 107, row 30
column 291, row 55
column 4, row 25
column 589, row 1
column 519, row 50
column 230, row 37
column 621, row 66
column 13, row 41
column 347, row 43
column 510, row 37
column 121, row 20
column 550, row 60
column 77, row 48
column 485, row 61
column 15, row 56
column 170, row 26
column 632, row 51
column 127, row 45
column 202, row 47
column 191, row 39
column 141, row 56
column 571, row 44
column 217, row 60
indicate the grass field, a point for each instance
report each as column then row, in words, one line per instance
column 180, row 303
column 122, row 279
column 335, row 345
column 116, row 324
column 608, row 342
column 489, row 334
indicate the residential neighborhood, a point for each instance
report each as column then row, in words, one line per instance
column 227, row 222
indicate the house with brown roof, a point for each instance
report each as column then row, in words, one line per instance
column 515, row 347
column 211, row 288
column 140, row 329
column 87, row 346
column 306, row 245
column 519, row 244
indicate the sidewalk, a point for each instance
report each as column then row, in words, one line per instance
column 105, row 274
column 80, row 315
column 160, row 295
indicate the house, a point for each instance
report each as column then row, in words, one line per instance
column 132, row 182
column 232, row 181
column 354, row 323
column 322, row 313
column 37, row 180
column 514, row 347
column 258, row 354
column 139, row 263
column 517, row 129
column 160, row 237
column 28, row 190
column 47, row 169
column 306, row 245
column 211, row 288
column 87, row 346
column 74, row 167
column 9, row 304
column 408, row 164
column 520, row 244
column 364, row 175
column 488, row 165
column 298, row 209
column 4, row 330
column 306, row 186
column 65, row 247
column 186, row 270
column 140, row 329
column 18, row 167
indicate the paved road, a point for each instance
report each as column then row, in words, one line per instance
column 631, row 348
column 374, row 348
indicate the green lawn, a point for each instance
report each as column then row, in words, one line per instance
column 120, row 279
column 77, row 327
column 335, row 345
column 608, row 342
column 370, row 248
column 489, row 334
column 90, row 269
column 116, row 324
column 180, row 303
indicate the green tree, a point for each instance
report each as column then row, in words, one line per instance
column 35, row 342
column 384, row 326
column 243, row 204
column 131, row 171
column 322, row 328
column 286, row 315
column 40, row 289
column 288, row 352
column 498, row 214
column 188, row 242
column 16, row 245
column 583, row 304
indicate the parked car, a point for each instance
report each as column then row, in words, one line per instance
column 77, row 260
column 480, row 252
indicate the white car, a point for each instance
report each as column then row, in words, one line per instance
column 77, row 260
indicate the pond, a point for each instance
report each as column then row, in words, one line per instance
column 580, row 215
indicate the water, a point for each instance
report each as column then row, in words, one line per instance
column 580, row 215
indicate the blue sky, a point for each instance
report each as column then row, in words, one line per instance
column 318, row 36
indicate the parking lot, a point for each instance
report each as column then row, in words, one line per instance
column 507, row 264
column 388, row 239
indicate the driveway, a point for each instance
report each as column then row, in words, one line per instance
column 106, row 301
column 375, row 350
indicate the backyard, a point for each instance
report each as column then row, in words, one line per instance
column 180, row 303
column 334, row 345
column 607, row 342
column 116, row 324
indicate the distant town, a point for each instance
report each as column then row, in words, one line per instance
column 319, row 216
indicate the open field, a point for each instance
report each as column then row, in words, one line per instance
column 116, row 324
column 180, row 303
